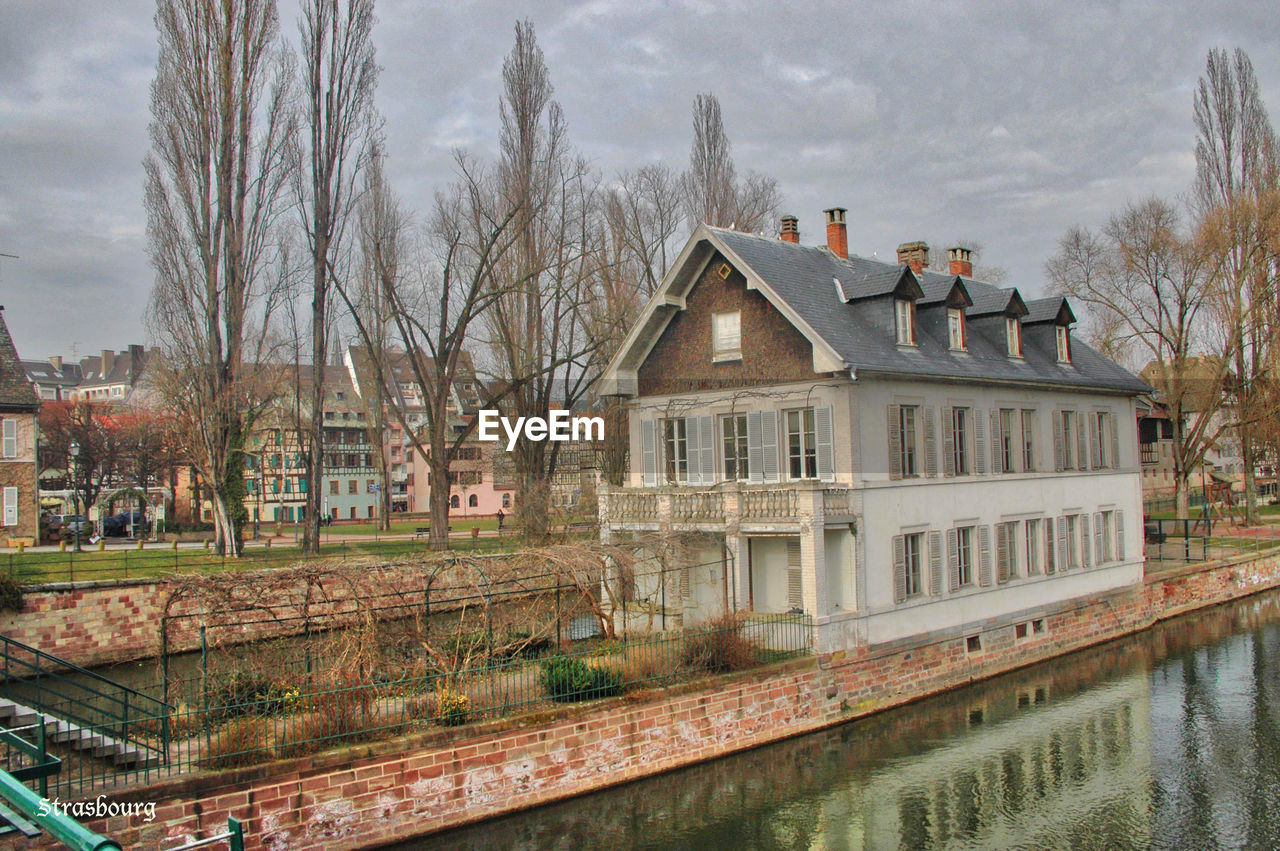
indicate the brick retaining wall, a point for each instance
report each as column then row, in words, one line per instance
column 397, row 789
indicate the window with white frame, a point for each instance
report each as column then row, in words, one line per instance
column 1028, row 441
column 726, row 333
column 1033, row 539
column 904, row 315
column 1064, row 344
column 964, row 556
column 1107, row 537
column 1101, row 437
column 913, row 563
column 675, row 445
column 1013, row 336
column 802, row 445
column 907, row 440
column 955, row 328
column 733, row 432
column 960, row 441
column 1073, row 542
column 1004, row 439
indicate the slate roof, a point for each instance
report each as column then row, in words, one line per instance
column 16, row 392
column 801, row 276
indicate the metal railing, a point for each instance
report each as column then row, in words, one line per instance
column 309, row 713
column 39, row 681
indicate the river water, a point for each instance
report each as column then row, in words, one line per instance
column 1167, row 739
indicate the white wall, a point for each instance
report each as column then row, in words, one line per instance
column 839, row 564
column 769, row 574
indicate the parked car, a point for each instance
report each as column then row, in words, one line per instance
column 117, row 525
column 67, row 524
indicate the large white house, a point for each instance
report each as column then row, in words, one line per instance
column 891, row 450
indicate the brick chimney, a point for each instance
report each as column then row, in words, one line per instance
column 959, row 262
column 837, row 232
column 790, row 229
column 56, row 362
column 914, row 254
column 108, row 362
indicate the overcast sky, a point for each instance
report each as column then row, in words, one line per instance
column 997, row 124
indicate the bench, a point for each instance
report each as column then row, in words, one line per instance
column 421, row 531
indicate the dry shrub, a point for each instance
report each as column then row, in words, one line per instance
column 338, row 711
column 721, row 648
column 241, row 742
column 643, row 663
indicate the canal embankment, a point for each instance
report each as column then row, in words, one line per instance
column 377, row 793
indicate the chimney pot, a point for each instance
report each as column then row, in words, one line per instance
column 837, row 232
column 959, row 261
column 914, row 254
column 790, row 229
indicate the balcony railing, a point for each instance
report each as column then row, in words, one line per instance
column 759, row 504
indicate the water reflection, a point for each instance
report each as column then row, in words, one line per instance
column 1167, row 739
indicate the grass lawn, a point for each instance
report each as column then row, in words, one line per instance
column 408, row 527
column 37, row 567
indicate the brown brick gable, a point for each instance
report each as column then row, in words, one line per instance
column 773, row 350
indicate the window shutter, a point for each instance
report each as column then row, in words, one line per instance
column 1097, row 538
column 11, row 506
column 1085, row 561
column 1062, row 544
column 1050, row 551
column 948, row 442
column 1059, row 450
column 1119, row 521
column 769, row 444
column 899, row 568
column 979, row 442
column 707, row 433
column 895, row 442
column 984, row 555
column 997, row 443
column 935, row 563
column 795, row 592
column 755, row 453
column 1002, row 554
column 1082, row 451
column 1095, row 443
column 686, row 584
column 10, row 438
column 930, row 443
column 693, row 450
column 953, row 559
column 1115, row 443
column 822, row 433
column 649, row 449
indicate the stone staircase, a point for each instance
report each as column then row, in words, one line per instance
column 86, row 740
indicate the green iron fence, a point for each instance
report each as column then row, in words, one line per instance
column 300, row 714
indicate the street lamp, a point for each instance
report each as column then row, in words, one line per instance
column 75, row 487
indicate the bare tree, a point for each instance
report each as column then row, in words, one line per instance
column 1237, row 179
column 713, row 193
column 431, row 311
column 644, row 214
column 339, row 76
column 537, row 324
column 214, row 184
column 1147, row 276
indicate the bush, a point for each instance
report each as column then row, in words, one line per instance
column 721, row 649
column 10, row 595
column 566, row 679
column 243, row 693
column 339, row 711
column 240, row 743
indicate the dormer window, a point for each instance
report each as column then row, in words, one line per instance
column 955, row 329
column 726, row 336
column 904, row 314
column 1013, row 336
column 1064, row 345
